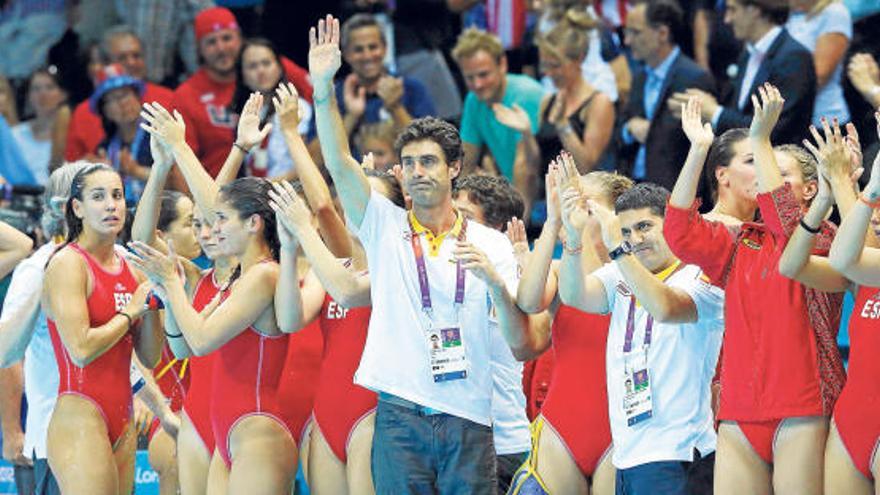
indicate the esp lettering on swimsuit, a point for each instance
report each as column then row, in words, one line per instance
column 335, row 311
column 872, row 308
column 121, row 299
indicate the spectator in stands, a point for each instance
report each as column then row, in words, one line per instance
column 120, row 45
column 34, row 136
column 7, row 102
column 774, row 57
column 259, row 69
column 653, row 30
column 27, row 30
column 204, row 99
column 825, row 27
column 117, row 100
column 378, row 139
column 483, row 65
column 864, row 74
column 370, row 93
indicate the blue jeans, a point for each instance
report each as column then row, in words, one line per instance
column 420, row 451
column 668, row 477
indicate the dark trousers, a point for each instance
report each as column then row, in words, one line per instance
column 418, row 451
column 507, row 466
column 667, row 478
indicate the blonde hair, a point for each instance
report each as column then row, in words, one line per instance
column 570, row 37
column 382, row 131
column 9, row 113
column 613, row 185
column 806, row 161
column 473, row 40
column 820, row 6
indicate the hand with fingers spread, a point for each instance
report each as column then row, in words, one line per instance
column 162, row 125
column 162, row 158
column 864, row 73
column 325, row 59
column 289, row 208
column 516, row 232
column 513, row 116
column 708, row 102
column 390, row 90
column 159, row 267
column 474, row 260
column 553, row 206
column 286, row 103
column 697, row 132
column 831, row 153
column 354, row 96
column 767, row 111
column 249, row 133
column 872, row 190
column 610, row 223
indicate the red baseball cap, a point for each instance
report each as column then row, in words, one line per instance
column 214, row 19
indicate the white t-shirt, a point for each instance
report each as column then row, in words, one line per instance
column 510, row 425
column 36, row 153
column 396, row 358
column 40, row 368
column 834, row 18
column 681, row 363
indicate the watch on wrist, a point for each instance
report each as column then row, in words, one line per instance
column 624, row 248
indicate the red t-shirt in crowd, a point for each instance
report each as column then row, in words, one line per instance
column 86, row 132
column 780, row 357
column 210, row 126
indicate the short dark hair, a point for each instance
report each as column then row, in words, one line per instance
column 168, row 209
column 495, row 195
column 775, row 11
column 644, row 195
column 394, row 190
column 666, row 13
column 720, row 154
column 432, row 129
column 359, row 21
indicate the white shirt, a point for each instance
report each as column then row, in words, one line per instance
column 681, row 363
column 35, row 153
column 40, row 367
column 510, row 425
column 757, row 53
column 807, row 29
column 395, row 358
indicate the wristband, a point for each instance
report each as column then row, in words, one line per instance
column 810, row 229
column 123, row 313
column 173, row 335
column 242, row 148
column 871, row 204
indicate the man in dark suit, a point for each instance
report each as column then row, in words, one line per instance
column 652, row 31
column 771, row 55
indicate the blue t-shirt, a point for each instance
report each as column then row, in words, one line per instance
column 479, row 126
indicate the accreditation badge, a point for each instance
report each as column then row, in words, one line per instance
column 446, row 351
column 637, row 405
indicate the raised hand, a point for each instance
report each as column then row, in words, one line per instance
column 170, row 130
column 863, row 72
column 162, row 158
column 516, row 232
column 475, row 261
column 610, row 223
column 831, row 151
column 390, row 90
column 354, row 96
column 159, row 267
column 249, row 133
column 514, row 117
column 289, row 208
column 325, row 59
column 286, row 103
column 697, row 132
column 553, row 206
column 854, row 145
column 872, row 190
column 767, row 111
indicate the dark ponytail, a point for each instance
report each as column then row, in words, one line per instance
column 250, row 196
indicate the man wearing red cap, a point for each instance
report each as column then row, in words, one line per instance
column 203, row 99
column 120, row 45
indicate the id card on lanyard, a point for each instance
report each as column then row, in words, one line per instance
column 446, row 349
column 637, row 405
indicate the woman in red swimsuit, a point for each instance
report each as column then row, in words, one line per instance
column 94, row 303
column 851, row 462
column 780, row 370
column 571, row 438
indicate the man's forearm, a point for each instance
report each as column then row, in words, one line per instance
column 11, row 391
column 512, row 321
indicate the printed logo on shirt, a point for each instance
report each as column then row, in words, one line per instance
column 220, row 116
column 624, row 290
column 121, row 299
column 871, row 310
column 119, row 287
column 205, row 98
column 752, row 244
column 336, row 311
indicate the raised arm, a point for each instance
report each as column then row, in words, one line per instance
column 864, row 74
column 146, row 216
column 251, row 296
column 344, row 286
column 171, row 132
column 767, row 112
column 701, row 136
column 538, row 284
column 65, row 303
column 351, row 183
column 317, row 193
column 528, row 154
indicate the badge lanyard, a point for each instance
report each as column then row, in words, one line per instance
column 631, row 325
column 422, row 269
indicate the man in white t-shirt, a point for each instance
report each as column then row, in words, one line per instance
column 439, row 288
column 663, row 341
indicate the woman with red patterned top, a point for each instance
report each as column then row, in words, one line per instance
column 851, row 462
column 94, row 303
column 780, row 370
